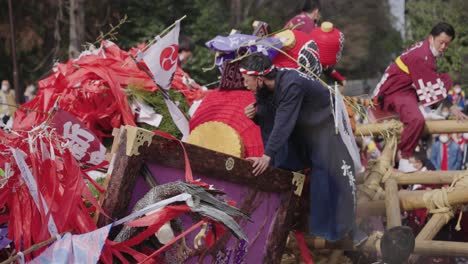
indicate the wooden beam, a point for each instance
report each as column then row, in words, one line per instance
column 123, row 171
column 410, row 200
column 431, row 247
column 441, row 248
column 432, row 127
column 218, row 165
column 430, row 230
column 426, row 177
column 392, row 204
column 432, row 227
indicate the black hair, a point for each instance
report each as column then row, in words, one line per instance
column 258, row 62
column 310, row 5
column 420, row 156
column 443, row 27
column 455, row 83
column 397, row 244
column 186, row 43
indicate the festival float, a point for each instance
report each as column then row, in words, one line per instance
column 168, row 201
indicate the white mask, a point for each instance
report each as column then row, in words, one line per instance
column 457, row 90
column 443, row 138
column 465, row 135
column 181, row 57
column 434, row 51
column 5, row 88
column 445, row 114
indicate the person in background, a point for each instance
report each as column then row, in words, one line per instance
column 309, row 16
column 30, row 92
column 446, row 154
column 7, row 101
column 456, row 95
column 192, row 91
column 412, row 80
column 396, row 245
column 445, row 112
column 186, row 48
column 463, row 143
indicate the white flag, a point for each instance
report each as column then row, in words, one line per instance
column 162, row 57
column 179, row 119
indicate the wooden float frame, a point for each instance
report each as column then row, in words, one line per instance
column 133, row 146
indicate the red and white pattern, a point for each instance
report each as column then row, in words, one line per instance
column 257, row 73
column 429, row 93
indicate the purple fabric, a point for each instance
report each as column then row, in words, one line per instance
column 265, row 206
column 4, row 241
column 233, row 42
column 229, row 46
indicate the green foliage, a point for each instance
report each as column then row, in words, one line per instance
column 370, row 39
column 156, row 101
column 93, row 189
column 424, row 14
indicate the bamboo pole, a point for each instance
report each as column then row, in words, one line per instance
column 375, row 177
column 410, row 200
column 432, row 127
column 432, row 247
column 33, row 248
column 441, row 248
column 430, row 230
column 433, row 226
column 392, row 204
column 426, row 177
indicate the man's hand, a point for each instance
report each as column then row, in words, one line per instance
column 457, row 113
column 260, row 164
column 250, row 110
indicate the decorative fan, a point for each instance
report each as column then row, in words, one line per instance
column 227, row 107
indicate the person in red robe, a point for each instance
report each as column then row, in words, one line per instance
column 310, row 14
column 412, row 79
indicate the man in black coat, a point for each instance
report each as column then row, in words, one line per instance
column 295, row 110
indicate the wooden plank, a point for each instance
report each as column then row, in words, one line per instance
column 124, row 171
column 218, row 165
column 276, row 242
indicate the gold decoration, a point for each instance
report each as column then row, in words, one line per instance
column 136, row 137
column 219, row 137
column 229, row 163
column 298, row 180
column 326, row 26
column 287, row 38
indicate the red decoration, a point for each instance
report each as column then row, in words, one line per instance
column 169, row 57
column 187, row 86
column 228, row 107
column 284, row 61
column 38, row 159
column 330, row 45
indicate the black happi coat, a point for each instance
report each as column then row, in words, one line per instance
column 298, row 129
